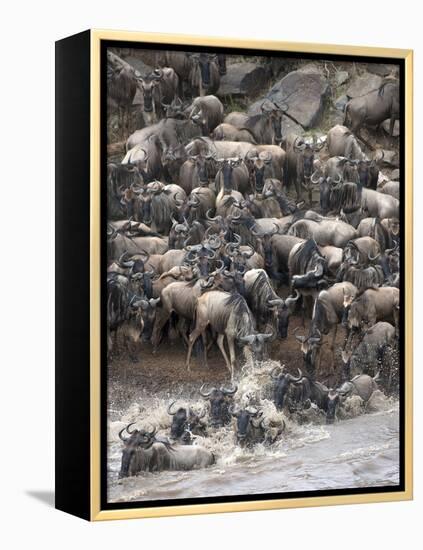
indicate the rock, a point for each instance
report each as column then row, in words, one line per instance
column 305, row 92
column 395, row 175
column 341, row 77
column 243, row 79
column 381, row 69
column 341, row 102
column 390, row 158
column 385, row 126
column 310, row 68
column 364, row 84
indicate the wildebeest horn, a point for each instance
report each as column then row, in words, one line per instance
column 128, row 426
column 371, row 258
column 169, row 409
column 248, row 339
column 153, row 432
column 229, row 391
column 248, row 253
column 292, row 299
column 178, row 202
column 122, row 261
column 207, row 283
column 301, row 339
column 272, row 372
column 203, row 393
column 276, row 302
column 313, row 179
column 124, row 439
column 295, row 380
column 209, row 217
column 154, row 301
column 214, row 242
column 337, row 180
column 315, row 339
column 263, row 336
column 254, row 232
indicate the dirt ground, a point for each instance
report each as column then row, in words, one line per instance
column 165, row 372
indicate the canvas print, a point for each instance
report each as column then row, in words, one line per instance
column 252, row 314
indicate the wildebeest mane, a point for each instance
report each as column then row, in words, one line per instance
column 370, row 277
column 260, row 293
column 237, row 308
column 304, row 257
column 345, row 196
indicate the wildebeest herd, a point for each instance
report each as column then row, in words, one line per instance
column 223, row 227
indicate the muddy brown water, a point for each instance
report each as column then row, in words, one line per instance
column 360, row 450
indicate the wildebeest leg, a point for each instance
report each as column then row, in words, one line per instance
column 204, row 337
column 158, row 327
column 198, row 330
column 332, row 346
column 221, row 344
column 231, row 345
column 391, row 126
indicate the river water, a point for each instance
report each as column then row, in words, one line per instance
column 359, row 450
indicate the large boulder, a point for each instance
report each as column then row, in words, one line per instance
column 243, row 79
column 381, row 69
column 304, row 91
column 364, row 84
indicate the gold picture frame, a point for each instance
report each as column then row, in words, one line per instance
column 96, row 513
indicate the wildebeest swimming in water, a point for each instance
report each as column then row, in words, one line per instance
column 142, row 452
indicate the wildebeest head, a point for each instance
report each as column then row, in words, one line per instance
column 200, row 255
column 147, row 86
column 357, row 314
column 332, row 406
column 283, row 310
column 256, row 343
column 226, row 168
column 310, row 347
column 257, row 164
column 274, row 113
column 220, row 401
column 249, row 426
column 282, row 383
column 146, row 309
column 204, row 61
column 139, row 439
column 179, row 420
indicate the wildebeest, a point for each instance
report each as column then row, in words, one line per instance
column 369, row 352
column 142, row 452
column 204, row 76
column 229, row 132
column 374, row 305
column 325, row 231
column 299, row 164
column 282, row 384
column 221, row 401
column 184, row 419
column 362, row 385
column 328, row 312
column 229, row 316
column 341, row 142
column 158, row 88
column 266, row 126
column 207, row 112
column 268, row 308
column 121, row 87
column 373, row 108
